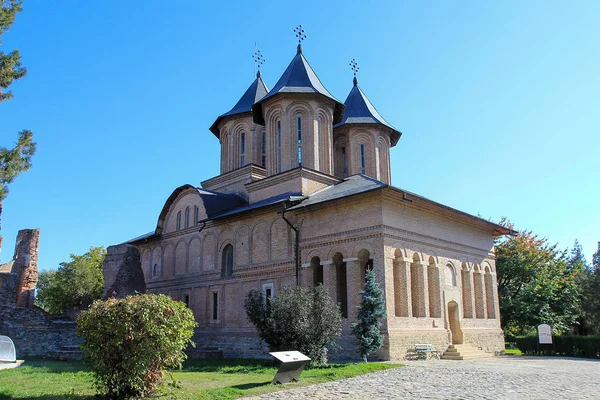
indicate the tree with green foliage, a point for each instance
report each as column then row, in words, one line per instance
column 590, row 297
column 15, row 160
column 75, row 285
column 371, row 310
column 536, row 284
column 132, row 341
column 296, row 319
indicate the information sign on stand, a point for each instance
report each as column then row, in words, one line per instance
column 544, row 334
column 292, row 364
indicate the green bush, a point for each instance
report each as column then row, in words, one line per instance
column 567, row 345
column 296, row 320
column 130, row 342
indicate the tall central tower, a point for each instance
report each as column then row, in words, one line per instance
column 298, row 115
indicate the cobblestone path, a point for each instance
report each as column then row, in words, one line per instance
column 506, row 377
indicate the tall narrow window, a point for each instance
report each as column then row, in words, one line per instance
column 300, row 141
column 362, row 159
column 345, row 162
column 264, row 150
column 378, row 161
column 187, row 217
column 186, row 300
column 278, row 146
column 318, row 159
column 215, row 306
column 179, row 220
column 227, row 261
column 242, row 149
column 196, row 215
column 155, row 270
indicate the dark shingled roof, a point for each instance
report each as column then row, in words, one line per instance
column 299, row 77
column 350, row 186
column 255, row 92
column 359, row 110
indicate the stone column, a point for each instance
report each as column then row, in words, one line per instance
column 402, row 290
column 329, row 280
column 355, row 281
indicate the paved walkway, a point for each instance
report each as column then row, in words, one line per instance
column 506, row 377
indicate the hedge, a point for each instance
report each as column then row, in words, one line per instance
column 567, row 345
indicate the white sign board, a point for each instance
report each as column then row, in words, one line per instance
column 289, row 356
column 544, row 334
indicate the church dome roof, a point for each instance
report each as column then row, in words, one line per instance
column 299, row 77
column 255, row 92
column 359, row 110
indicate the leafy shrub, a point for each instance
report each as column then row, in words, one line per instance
column 131, row 341
column 371, row 310
column 567, row 345
column 296, row 320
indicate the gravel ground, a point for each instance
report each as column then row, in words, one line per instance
column 508, row 377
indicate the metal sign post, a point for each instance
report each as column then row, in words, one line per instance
column 292, row 364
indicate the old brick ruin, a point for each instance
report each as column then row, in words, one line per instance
column 34, row 332
column 122, row 270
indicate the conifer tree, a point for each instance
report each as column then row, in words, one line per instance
column 371, row 310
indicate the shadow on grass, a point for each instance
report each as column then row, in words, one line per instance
column 47, row 397
column 54, row 367
column 253, row 385
column 228, row 366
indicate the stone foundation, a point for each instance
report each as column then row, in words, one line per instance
column 490, row 340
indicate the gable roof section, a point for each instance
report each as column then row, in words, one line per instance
column 254, row 93
column 357, row 184
column 299, row 77
column 214, row 203
column 359, row 110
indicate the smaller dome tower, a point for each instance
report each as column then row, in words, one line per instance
column 242, row 141
column 362, row 139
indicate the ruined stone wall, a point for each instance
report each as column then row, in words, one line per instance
column 36, row 334
column 18, row 278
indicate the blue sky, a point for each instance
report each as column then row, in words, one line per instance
column 498, row 103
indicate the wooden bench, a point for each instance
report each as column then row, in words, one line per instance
column 426, row 351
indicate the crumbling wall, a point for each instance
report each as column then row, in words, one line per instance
column 35, row 333
column 122, row 270
column 19, row 277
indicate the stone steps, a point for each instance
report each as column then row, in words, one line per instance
column 66, row 353
column 464, row 352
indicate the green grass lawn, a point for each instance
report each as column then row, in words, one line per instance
column 512, row 352
column 199, row 379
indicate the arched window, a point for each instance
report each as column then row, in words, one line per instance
column 196, row 215
column 278, row 146
column 318, row 157
column 299, row 141
column 227, row 261
column 243, row 149
column 187, row 217
column 362, row 159
column 179, row 220
column 263, row 161
column 155, row 270
column 378, row 161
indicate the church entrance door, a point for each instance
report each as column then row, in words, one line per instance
column 454, row 323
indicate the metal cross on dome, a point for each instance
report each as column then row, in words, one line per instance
column 354, row 66
column 259, row 59
column 300, row 34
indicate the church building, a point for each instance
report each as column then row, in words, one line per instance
column 305, row 197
